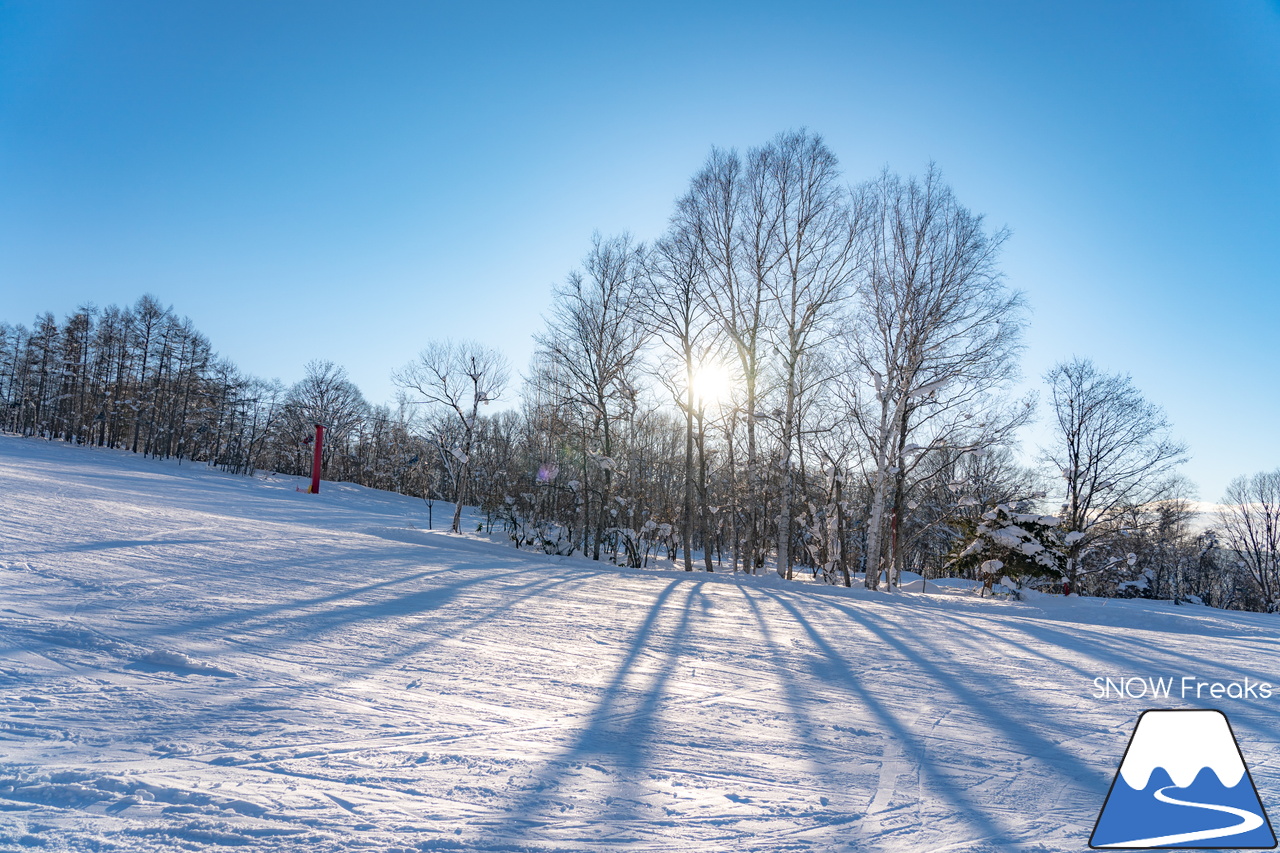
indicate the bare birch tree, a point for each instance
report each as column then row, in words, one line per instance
column 733, row 228
column 807, row 272
column 935, row 333
column 588, row 353
column 672, row 307
column 458, row 377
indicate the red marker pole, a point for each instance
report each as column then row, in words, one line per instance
column 315, row 461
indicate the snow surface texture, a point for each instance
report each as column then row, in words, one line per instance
column 195, row 661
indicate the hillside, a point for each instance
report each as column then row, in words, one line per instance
column 196, row 660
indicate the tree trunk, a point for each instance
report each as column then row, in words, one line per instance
column 788, row 477
column 686, row 532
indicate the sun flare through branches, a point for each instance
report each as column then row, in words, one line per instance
column 712, row 384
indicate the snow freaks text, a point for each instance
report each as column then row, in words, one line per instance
column 1175, row 687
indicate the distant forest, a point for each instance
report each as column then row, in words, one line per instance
column 800, row 375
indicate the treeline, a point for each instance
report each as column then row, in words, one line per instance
column 141, row 378
column 800, row 375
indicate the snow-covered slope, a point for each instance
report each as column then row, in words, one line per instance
column 193, row 661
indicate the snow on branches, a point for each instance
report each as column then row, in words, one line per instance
column 1018, row 544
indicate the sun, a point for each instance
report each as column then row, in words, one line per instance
column 712, row 384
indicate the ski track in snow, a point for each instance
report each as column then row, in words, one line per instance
column 194, row 661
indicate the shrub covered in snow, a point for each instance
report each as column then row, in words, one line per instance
column 1017, row 544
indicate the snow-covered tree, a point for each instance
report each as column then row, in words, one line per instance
column 326, row 395
column 1017, row 544
column 726, row 215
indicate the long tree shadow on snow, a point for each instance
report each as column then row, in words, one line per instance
column 615, row 738
column 839, row 791
column 421, row 606
column 1141, row 657
column 331, row 606
column 436, row 629
column 1019, row 731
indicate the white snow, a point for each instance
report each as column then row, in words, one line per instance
column 1183, row 743
column 196, row 660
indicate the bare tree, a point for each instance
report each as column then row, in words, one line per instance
column 1113, row 451
column 459, row 377
column 1164, row 540
column 587, row 355
column 1249, row 519
column 149, row 316
column 809, row 262
column 733, row 227
column 672, row 307
column 326, row 396
column 936, row 333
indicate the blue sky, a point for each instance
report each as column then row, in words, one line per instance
column 349, row 181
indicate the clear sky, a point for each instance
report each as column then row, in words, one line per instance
column 350, row 180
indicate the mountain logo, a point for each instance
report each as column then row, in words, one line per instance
column 1183, row 784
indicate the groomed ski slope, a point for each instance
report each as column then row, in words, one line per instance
column 197, row 661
